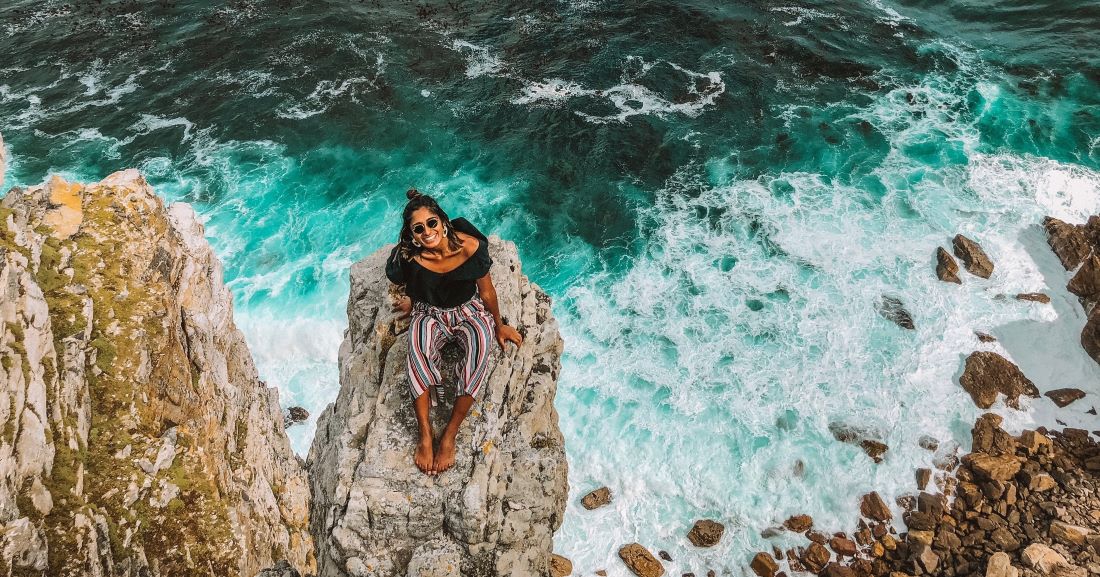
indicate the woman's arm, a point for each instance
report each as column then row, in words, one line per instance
column 488, row 294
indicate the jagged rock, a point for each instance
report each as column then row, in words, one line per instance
column 506, row 495
column 1033, row 297
column 1042, row 483
column 988, row 374
column 664, row 555
column 815, row 557
column 874, row 449
column 1042, row 558
column 925, row 558
column 799, row 523
column 1033, row 441
column 1086, row 282
column 947, row 269
column 294, row 415
column 560, row 566
column 706, row 533
column 1063, row 397
column 1000, row 565
column 992, row 468
column 1069, row 534
column 764, row 565
column 597, row 498
column 641, row 561
column 1090, row 335
column 988, row 436
column 114, row 311
column 892, row 309
column 974, row 258
column 985, row 337
column 873, row 507
column 1067, row 241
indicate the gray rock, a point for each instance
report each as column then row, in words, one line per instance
column 502, row 501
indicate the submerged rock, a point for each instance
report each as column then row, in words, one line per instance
column 1067, row 241
column 496, row 510
column 892, row 309
column 135, row 413
column 947, row 269
column 294, row 415
column 988, row 374
column 1033, row 297
column 974, row 258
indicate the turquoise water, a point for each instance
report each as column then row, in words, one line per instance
column 716, row 195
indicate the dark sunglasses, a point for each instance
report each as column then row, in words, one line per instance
column 418, row 228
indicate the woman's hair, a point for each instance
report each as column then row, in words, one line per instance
column 405, row 239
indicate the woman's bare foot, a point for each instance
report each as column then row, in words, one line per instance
column 424, row 456
column 445, row 458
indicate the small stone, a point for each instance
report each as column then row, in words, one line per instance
column 799, row 523
column 985, row 337
column 294, row 416
column 947, row 269
column 1033, row 297
column 764, row 565
column 1069, row 534
column 706, row 533
column 1000, row 565
column 928, row 443
column 974, row 258
column 1063, row 397
column 664, row 555
column 873, row 507
column 597, row 498
column 921, row 537
column 640, row 561
column 560, row 566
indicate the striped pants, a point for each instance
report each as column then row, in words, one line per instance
column 430, row 327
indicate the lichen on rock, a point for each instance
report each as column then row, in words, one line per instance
column 494, row 512
column 140, row 439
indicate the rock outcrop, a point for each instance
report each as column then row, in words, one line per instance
column 137, row 439
column 495, row 512
column 974, row 258
column 988, row 374
column 1079, row 245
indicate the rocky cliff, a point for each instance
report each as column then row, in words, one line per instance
column 494, row 513
column 136, row 437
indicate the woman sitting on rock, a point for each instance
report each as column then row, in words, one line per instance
column 444, row 265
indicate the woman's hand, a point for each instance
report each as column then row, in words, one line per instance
column 506, row 333
column 403, row 304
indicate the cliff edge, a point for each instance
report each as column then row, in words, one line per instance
column 495, row 512
column 136, row 437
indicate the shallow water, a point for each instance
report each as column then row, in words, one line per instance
column 715, row 195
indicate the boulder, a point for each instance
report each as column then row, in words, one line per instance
column 1069, row 534
column 874, row 449
column 641, row 561
column 1042, row 558
column 893, row 310
column 838, row 570
column 815, row 557
column 947, row 269
column 560, row 566
column 706, row 533
column 1033, row 297
column 924, row 557
column 764, row 565
column 974, row 258
column 992, row 468
column 1063, row 397
column 506, row 494
column 799, row 523
column 1067, row 241
column 873, row 507
column 988, row 436
column 843, row 546
column 294, row 415
column 923, row 475
column 1000, row 565
column 988, row 374
column 597, row 498
column 1034, row 442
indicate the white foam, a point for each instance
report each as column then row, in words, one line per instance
column 480, row 61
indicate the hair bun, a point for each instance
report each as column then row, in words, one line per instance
column 413, row 193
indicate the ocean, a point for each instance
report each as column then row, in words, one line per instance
column 716, row 195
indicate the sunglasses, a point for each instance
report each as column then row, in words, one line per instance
column 418, row 228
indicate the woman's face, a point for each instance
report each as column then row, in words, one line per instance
column 426, row 227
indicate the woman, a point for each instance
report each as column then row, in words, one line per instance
column 444, row 266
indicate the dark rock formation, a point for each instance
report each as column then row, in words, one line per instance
column 1063, row 397
column 1033, row 297
column 1067, row 241
column 974, row 258
column 893, row 310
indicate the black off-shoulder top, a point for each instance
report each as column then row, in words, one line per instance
column 444, row 290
